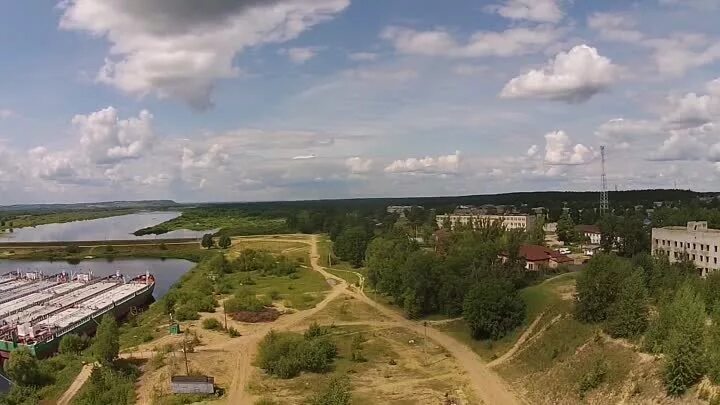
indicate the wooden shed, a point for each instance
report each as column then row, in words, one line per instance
column 184, row 384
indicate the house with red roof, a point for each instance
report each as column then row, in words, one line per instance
column 538, row 257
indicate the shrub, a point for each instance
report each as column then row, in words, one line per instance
column 186, row 313
column 336, row 393
column 287, row 354
column 245, row 303
column 233, row 332
column 211, row 324
column 72, row 344
column 593, row 378
column 72, row 249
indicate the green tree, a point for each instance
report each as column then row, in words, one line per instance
column 566, row 229
column 23, row 368
column 493, row 308
column 598, row 287
column 351, row 245
column 106, row 347
column 224, row 242
column 684, row 355
column 71, row 344
column 207, row 241
column 536, row 234
column 337, row 392
column 628, row 315
column 712, row 347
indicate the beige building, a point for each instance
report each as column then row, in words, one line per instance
column 466, row 219
column 695, row 240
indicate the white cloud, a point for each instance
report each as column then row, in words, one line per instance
column 615, row 27
column 533, row 151
column 358, row 165
column 213, row 158
column 511, row 42
column 107, row 139
column 363, row 56
column 304, row 157
column 177, row 50
column 573, row 77
column 6, row 113
column 679, row 53
column 620, row 133
column 559, row 150
column 441, row 164
column 300, row 55
column 680, row 146
column 692, row 111
column 532, row 10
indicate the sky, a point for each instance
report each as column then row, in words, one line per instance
column 246, row 100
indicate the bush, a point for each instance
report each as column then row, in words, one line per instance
column 288, row 354
column 599, row 286
column 211, row 324
column 186, row 313
column 336, row 393
column 233, row 332
column 72, row 344
column 248, row 303
column 593, row 378
column 109, row 386
column 72, row 249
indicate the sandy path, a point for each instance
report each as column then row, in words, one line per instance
column 76, row 385
column 523, row 338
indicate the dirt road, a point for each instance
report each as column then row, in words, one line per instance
column 485, row 383
column 76, row 385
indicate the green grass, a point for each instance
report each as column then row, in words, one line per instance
column 189, row 251
column 227, row 222
column 62, row 217
column 542, row 298
column 303, row 292
column 64, row 369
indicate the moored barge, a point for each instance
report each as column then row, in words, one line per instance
column 36, row 311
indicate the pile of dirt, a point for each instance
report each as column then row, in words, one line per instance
column 265, row 315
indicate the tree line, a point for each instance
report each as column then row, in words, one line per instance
column 619, row 294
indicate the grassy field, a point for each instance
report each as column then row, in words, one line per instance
column 59, row 218
column 549, row 298
column 227, row 223
column 399, row 368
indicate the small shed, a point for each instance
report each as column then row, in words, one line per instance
column 185, row 384
column 174, row 329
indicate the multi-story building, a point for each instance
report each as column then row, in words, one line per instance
column 695, row 241
column 590, row 232
column 473, row 218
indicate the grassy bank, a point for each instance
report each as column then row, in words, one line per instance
column 73, row 253
column 227, row 222
column 59, row 218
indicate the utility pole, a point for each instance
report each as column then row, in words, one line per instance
column 604, row 201
column 187, row 367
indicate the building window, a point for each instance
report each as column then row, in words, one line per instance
column 693, row 257
column 694, row 246
column 714, row 260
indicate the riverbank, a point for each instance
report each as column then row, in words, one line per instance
column 76, row 252
column 31, row 220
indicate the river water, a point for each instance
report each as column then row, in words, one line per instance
column 112, row 228
column 166, row 272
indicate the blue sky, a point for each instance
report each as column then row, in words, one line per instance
column 300, row 99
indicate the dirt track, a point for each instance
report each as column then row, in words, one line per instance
column 485, row 383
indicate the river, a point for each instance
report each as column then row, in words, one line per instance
column 166, row 272
column 113, row 228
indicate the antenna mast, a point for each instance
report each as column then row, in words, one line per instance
column 604, row 201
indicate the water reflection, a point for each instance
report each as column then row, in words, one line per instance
column 113, row 228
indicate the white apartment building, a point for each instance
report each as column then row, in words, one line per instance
column 695, row 240
column 523, row 222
